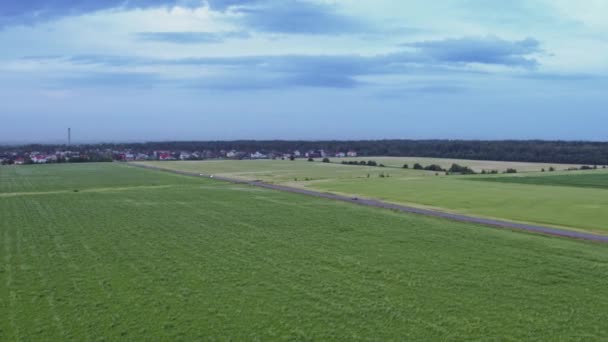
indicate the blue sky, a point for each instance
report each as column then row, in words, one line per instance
column 118, row 70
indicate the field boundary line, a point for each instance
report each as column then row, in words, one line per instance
column 495, row 223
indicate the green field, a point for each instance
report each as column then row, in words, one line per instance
column 477, row 165
column 284, row 171
column 145, row 255
column 588, row 179
column 547, row 198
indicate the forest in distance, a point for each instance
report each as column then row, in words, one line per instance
column 542, row 151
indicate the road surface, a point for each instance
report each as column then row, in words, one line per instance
column 402, row 208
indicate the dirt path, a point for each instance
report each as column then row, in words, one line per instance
column 403, row 208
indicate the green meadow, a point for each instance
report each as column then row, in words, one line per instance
column 477, row 165
column 582, row 179
column 573, row 200
column 144, row 255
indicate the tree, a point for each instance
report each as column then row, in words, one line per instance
column 509, row 170
column 326, row 160
column 311, row 160
column 418, row 167
column 434, row 167
column 292, row 157
column 465, row 170
column 405, row 166
column 551, row 169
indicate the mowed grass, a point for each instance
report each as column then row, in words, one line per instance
column 198, row 259
column 477, row 165
column 569, row 207
column 282, row 171
column 536, row 201
column 589, row 179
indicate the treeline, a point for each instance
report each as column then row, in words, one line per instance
column 570, row 152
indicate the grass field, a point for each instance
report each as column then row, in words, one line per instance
column 477, row 165
column 188, row 258
column 550, row 198
column 284, row 171
column 588, row 179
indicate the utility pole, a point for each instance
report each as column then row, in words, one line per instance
column 69, row 136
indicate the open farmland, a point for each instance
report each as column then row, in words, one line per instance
column 579, row 208
column 282, row 171
column 192, row 258
column 584, row 179
column 476, row 165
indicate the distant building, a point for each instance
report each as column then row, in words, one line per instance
column 351, row 154
column 165, row 156
column 340, row 155
column 231, row 154
column 258, row 155
column 39, row 159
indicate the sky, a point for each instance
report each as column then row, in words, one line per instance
column 150, row 70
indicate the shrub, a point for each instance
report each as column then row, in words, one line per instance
column 418, row 167
column 509, row 170
column 465, row 170
column 311, row 160
column 434, row 167
column 326, row 160
column 372, row 163
column 405, row 166
column 551, row 169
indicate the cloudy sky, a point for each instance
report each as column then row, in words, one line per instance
column 303, row 69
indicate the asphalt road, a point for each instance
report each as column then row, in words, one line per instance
column 402, row 208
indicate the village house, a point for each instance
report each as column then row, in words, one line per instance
column 258, row 155
column 39, row 159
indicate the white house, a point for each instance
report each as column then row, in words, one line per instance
column 258, row 155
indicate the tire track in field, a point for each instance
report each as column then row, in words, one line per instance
column 494, row 223
column 55, row 192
